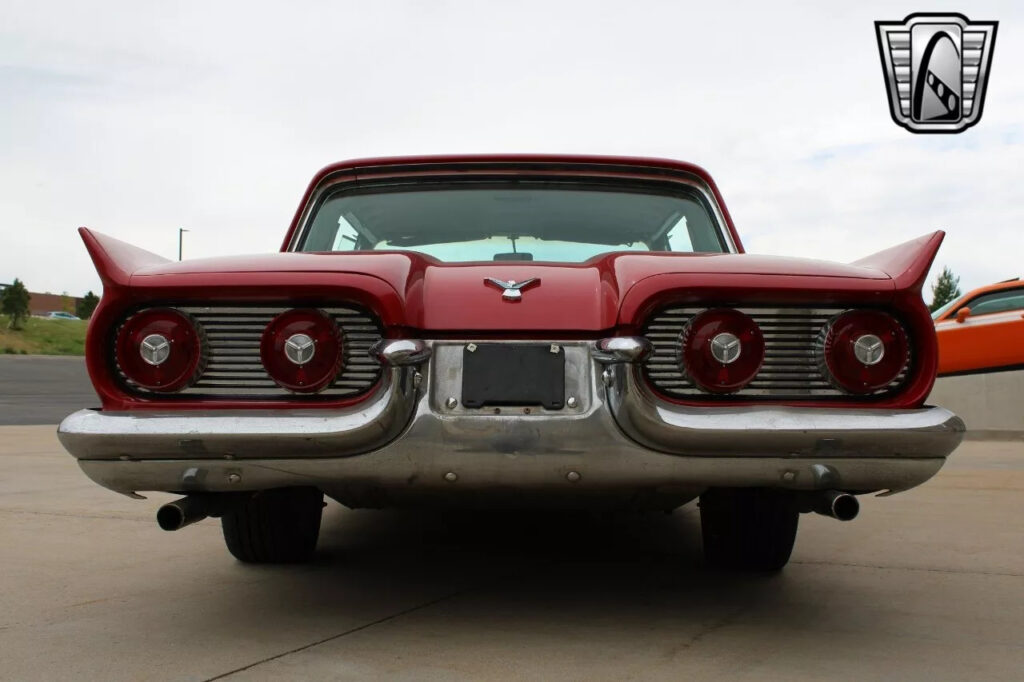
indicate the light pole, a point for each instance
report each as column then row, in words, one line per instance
column 181, row 230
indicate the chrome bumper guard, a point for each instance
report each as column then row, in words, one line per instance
column 413, row 434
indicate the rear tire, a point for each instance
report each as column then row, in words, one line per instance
column 748, row 529
column 275, row 526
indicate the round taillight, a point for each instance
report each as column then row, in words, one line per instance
column 159, row 350
column 301, row 350
column 865, row 350
column 722, row 350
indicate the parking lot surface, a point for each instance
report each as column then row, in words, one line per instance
column 928, row 584
column 41, row 389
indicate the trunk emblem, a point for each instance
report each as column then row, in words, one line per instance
column 512, row 290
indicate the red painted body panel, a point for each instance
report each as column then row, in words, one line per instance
column 395, row 266
column 581, row 297
column 129, row 285
column 116, row 260
column 570, row 299
column 907, row 263
column 418, row 295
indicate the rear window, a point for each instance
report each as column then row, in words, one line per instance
column 540, row 221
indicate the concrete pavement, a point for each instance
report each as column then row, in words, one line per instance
column 43, row 389
column 928, row 584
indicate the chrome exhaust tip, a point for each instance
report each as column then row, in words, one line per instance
column 180, row 513
column 193, row 508
column 837, row 505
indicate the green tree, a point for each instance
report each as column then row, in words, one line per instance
column 945, row 289
column 85, row 305
column 14, row 302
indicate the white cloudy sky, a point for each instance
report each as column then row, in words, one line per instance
column 136, row 118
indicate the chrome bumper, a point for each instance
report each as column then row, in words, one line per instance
column 413, row 436
column 778, row 431
column 148, row 434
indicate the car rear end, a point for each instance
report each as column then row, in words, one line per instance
column 368, row 363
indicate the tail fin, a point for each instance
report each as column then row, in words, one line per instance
column 907, row 263
column 114, row 259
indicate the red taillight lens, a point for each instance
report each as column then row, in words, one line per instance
column 865, row 350
column 301, row 350
column 159, row 349
column 722, row 350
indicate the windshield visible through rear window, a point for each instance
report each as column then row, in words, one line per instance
column 539, row 221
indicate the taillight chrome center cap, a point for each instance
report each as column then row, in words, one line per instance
column 725, row 348
column 155, row 349
column 869, row 349
column 299, row 348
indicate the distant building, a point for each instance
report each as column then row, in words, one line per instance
column 41, row 304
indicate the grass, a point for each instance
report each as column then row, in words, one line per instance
column 43, row 337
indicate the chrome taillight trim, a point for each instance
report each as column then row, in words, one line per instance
column 234, row 370
column 792, row 368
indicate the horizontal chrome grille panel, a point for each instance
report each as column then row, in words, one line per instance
column 791, row 369
column 234, row 370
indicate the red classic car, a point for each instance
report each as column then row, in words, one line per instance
column 511, row 330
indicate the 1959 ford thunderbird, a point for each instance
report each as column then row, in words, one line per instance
column 511, row 331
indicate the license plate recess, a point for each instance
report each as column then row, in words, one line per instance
column 506, row 374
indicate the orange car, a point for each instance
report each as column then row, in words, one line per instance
column 982, row 331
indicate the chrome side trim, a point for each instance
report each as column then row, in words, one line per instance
column 777, row 431
column 294, row 433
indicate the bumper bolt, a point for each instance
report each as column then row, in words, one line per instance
column 451, row 403
column 451, row 477
column 573, row 476
column 571, row 401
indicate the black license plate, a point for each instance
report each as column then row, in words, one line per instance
column 513, row 374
